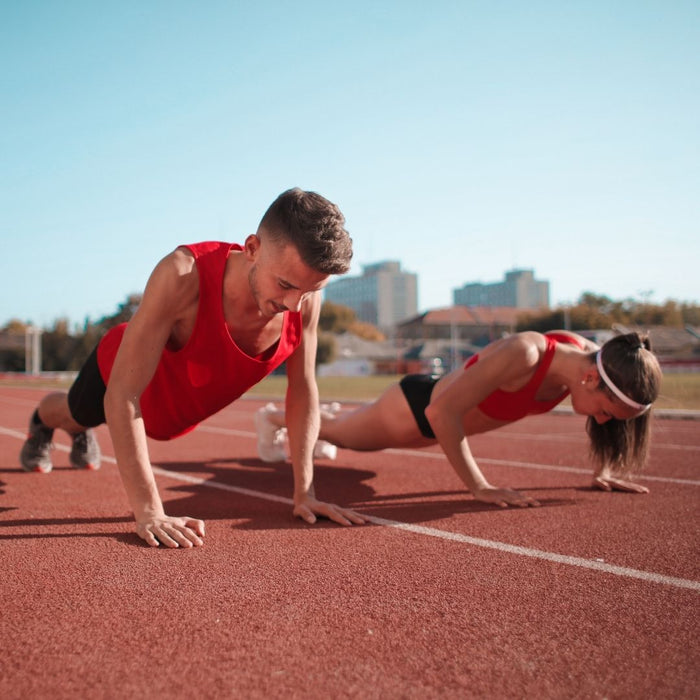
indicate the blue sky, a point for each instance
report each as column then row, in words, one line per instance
column 462, row 138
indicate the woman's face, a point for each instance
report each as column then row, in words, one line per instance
column 589, row 400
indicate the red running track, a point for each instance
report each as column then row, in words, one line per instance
column 593, row 595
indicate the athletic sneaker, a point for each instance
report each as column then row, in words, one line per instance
column 325, row 450
column 331, row 408
column 85, row 453
column 36, row 451
column 271, row 439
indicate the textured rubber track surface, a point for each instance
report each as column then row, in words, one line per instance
column 593, row 595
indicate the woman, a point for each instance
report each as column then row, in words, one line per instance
column 523, row 374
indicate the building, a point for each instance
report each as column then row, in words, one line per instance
column 520, row 290
column 455, row 333
column 383, row 295
column 476, row 325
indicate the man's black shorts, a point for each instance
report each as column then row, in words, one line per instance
column 86, row 396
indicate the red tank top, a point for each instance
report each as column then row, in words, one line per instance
column 210, row 371
column 514, row 405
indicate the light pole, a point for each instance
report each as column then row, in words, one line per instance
column 32, row 350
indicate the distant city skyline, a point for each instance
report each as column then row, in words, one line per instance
column 519, row 289
column 382, row 295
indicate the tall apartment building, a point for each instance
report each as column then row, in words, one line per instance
column 520, row 289
column 383, row 295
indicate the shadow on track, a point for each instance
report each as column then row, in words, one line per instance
column 347, row 487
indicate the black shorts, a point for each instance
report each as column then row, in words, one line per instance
column 417, row 388
column 86, row 396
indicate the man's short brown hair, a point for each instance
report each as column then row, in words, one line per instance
column 314, row 226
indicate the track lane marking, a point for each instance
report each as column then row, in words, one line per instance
column 429, row 455
column 623, row 571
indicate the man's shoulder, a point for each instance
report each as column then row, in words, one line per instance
column 203, row 248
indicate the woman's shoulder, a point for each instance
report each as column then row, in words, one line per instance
column 572, row 338
column 523, row 350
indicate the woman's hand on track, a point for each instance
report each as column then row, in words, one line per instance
column 504, row 497
column 171, row 531
column 611, row 483
column 308, row 508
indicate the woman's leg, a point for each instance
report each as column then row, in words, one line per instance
column 387, row 422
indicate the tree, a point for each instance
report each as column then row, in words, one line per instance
column 336, row 318
column 366, row 331
column 595, row 311
column 124, row 313
column 12, row 346
column 690, row 313
column 326, row 350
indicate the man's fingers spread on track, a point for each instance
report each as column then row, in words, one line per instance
column 147, row 535
column 337, row 515
column 344, row 516
column 184, row 535
column 191, row 538
column 356, row 518
column 196, row 525
column 165, row 538
column 305, row 514
column 150, row 539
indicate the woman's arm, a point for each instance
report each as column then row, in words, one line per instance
column 512, row 359
column 605, row 480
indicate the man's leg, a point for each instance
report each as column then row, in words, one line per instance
column 54, row 412
column 76, row 412
column 387, row 422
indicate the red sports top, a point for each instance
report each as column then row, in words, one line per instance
column 514, row 405
column 210, row 371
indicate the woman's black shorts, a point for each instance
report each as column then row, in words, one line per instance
column 417, row 388
column 86, row 396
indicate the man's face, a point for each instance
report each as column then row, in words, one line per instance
column 279, row 279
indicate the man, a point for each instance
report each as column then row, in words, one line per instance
column 214, row 320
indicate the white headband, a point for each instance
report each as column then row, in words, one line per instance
column 614, row 389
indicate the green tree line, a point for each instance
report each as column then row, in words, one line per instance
column 62, row 348
column 66, row 349
column 594, row 311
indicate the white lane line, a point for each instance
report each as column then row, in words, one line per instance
column 540, row 554
column 13, row 433
column 541, row 467
column 648, row 576
column 593, row 564
column 579, row 439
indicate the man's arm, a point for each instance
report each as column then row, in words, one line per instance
column 168, row 292
column 302, row 417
